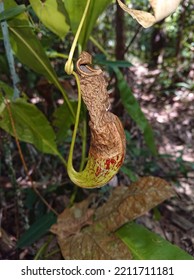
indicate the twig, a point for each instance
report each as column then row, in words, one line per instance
column 133, row 39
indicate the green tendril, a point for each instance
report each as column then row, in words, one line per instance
column 69, row 64
column 70, row 158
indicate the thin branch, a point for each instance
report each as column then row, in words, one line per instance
column 133, row 38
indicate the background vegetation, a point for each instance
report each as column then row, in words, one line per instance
column 150, row 81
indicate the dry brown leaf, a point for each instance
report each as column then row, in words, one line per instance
column 71, row 220
column 89, row 246
column 128, row 203
column 161, row 8
column 85, row 233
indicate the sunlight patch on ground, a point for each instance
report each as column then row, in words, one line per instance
column 171, row 117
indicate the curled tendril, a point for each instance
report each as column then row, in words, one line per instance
column 69, row 67
column 69, row 64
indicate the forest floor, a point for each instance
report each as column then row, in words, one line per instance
column 170, row 112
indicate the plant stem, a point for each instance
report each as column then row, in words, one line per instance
column 84, row 131
column 70, row 158
column 54, row 54
column 9, row 54
column 95, row 42
column 69, row 70
column 69, row 63
column 43, row 249
column 84, row 136
column 62, row 159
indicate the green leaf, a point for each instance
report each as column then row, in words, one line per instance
column 101, row 59
column 52, row 15
column 12, row 12
column 146, row 245
column 4, row 69
column 7, row 90
column 132, row 106
column 29, row 50
column 31, row 125
column 37, row 230
column 30, row 199
column 63, row 120
column 132, row 176
column 75, row 11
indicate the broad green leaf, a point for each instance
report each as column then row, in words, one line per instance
column 75, row 11
column 31, row 125
column 12, row 12
column 101, row 59
column 132, row 176
column 29, row 50
column 26, row 45
column 52, row 15
column 131, row 105
column 37, row 230
column 146, row 245
column 63, row 120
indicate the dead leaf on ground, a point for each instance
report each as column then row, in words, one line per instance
column 128, row 203
column 88, row 245
column 89, row 234
column 71, row 220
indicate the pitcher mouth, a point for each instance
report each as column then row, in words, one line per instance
column 84, row 68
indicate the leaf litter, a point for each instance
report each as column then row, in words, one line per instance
column 86, row 231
